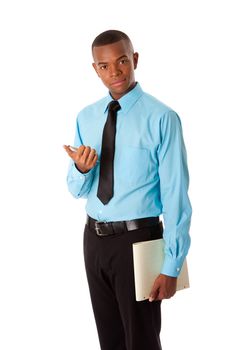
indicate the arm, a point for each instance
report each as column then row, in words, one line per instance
column 174, row 181
column 81, row 168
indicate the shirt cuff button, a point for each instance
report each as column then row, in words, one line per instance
column 178, row 269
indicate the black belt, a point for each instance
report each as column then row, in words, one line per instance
column 103, row 228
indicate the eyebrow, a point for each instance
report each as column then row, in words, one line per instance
column 119, row 58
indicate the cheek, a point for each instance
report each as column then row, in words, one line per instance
column 129, row 71
column 102, row 75
column 104, row 79
column 130, row 75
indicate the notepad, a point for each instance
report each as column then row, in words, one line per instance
column 148, row 257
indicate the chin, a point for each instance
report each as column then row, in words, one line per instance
column 121, row 90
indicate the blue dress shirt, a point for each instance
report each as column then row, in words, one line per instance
column 150, row 169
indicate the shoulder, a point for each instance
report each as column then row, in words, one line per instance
column 154, row 105
column 162, row 112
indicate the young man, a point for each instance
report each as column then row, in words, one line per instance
column 129, row 161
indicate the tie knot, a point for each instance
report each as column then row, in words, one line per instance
column 114, row 106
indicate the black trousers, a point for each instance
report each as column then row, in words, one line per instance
column 122, row 322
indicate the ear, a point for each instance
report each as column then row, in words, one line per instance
column 95, row 68
column 135, row 59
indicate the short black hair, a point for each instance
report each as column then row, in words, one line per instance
column 110, row 37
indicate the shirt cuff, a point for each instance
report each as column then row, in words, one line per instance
column 78, row 175
column 172, row 267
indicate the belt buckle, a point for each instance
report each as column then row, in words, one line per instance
column 98, row 229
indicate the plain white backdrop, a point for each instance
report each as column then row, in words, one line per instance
column 46, row 77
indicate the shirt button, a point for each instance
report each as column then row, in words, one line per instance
column 81, row 177
column 100, row 211
column 178, row 269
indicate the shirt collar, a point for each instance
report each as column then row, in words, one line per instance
column 126, row 101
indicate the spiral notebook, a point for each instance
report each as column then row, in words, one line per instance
column 148, row 259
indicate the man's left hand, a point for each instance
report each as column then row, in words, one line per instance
column 164, row 288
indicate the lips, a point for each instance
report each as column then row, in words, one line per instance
column 118, row 82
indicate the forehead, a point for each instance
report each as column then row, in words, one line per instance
column 112, row 52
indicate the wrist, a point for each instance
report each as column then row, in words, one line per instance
column 80, row 170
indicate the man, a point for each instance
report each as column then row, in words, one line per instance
column 129, row 161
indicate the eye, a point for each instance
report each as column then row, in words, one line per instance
column 103, row 67
column 124, row 60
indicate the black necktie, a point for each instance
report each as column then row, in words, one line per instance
column 106, row 180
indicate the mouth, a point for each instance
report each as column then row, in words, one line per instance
column 118, row 82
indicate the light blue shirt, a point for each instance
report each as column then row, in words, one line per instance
column 150, row 169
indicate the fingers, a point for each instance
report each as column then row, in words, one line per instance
column 164, row 288
column 157, row 295
column 68, row 150
column 84, row 156
column 87, row 155
column 154, row 293
column 74, row 152
column 78, row 152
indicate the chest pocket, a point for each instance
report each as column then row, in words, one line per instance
column 133, row 164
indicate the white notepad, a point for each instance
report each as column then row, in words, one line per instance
column 148, row 257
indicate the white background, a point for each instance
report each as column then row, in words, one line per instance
column 46, row 77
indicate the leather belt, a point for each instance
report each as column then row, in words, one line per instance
column 103, row 228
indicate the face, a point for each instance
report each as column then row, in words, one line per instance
column 115, row 64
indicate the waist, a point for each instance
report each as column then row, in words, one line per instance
column 103, row 228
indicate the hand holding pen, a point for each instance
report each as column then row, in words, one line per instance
column 84, row 157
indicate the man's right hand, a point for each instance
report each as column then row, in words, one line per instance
column 84, row 157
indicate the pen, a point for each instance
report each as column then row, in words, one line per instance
column 73, row 148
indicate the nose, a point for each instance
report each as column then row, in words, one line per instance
column 114, row 70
